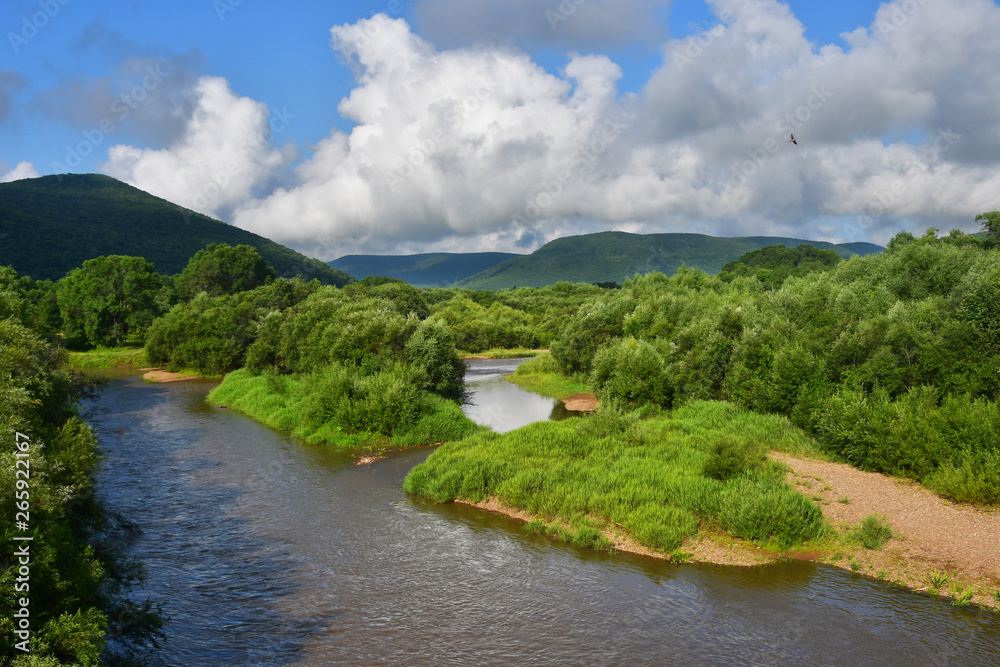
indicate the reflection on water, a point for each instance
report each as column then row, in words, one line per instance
column 267, row 551
column 501, row 405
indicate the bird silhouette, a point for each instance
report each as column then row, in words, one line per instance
column 793, row 140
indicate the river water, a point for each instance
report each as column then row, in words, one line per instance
column 267, row 551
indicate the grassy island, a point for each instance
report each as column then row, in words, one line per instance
column 657, row 478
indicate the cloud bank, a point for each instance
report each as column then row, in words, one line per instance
column 479, row 148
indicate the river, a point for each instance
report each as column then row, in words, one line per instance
column 268, row 551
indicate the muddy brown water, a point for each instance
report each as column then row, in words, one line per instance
column 267, row 551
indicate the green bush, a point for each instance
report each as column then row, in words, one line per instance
column 431, row 349
column 631, row 371
column 730, row 457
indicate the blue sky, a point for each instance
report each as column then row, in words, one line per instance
column 78, row 80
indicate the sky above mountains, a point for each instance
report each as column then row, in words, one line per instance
column 408, row 126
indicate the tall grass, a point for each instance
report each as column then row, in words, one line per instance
column 646, row 476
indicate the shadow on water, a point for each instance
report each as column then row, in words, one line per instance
column 269, row 552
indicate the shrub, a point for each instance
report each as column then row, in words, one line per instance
column 431, row 349
column 729, row 457
column 631, row 371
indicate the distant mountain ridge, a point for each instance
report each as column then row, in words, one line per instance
column 51, row 225
column 424, row 270
column 617, row 256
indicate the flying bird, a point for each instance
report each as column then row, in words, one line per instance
column 793, row 140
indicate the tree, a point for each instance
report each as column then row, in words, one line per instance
column 107, row 299
column 991, row 223
column 220, row 269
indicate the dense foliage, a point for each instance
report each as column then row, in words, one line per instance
column 51, row 225
column 108, row 299
column 220, row 269
column 519, row 318
column 772, row 264
column 892, row 361
column 354, row 367
column 212, row 334
column 77, row 582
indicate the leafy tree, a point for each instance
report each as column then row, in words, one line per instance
column 108, row 299
column 991, row 223
column 223, row 269
column 79, row 589
column 213, row 334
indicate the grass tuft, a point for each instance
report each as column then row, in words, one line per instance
column 873, row 532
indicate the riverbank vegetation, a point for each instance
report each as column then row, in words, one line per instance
column 108, row 357
column 659, row 477
column 76, row 582
column 542, row 375
column 891, row 361
column 359, row 367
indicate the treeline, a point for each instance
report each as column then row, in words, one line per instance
column 74, row 580
column 891, row 361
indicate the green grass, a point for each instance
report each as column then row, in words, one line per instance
column 873, row 532
column 938, row 581
column 108, row 357
column 542, row 376
column 646, row 476
column 963, row 596
column 334, row 407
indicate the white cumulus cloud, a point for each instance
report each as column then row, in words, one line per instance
column 22, row 170
column 222, row 155
column 480, row 148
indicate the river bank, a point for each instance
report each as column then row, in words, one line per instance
column 936, row 546
column 932, row 537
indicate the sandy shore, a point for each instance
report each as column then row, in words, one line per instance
column 930, row 534
column 159, row 375
column 581, row 402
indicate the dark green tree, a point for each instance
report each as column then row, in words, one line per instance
column 223, row 269
column 108, row 299
column 991, row 223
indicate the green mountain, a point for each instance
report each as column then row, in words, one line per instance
column 617, row 256
column 50, row 225
column 428, row 270
column 859, row 247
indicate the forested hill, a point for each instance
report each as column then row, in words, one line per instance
column 617, row 256
column 50, row 225
column 427, row 270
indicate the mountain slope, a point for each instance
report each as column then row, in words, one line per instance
column 862, row 248
column 617, row 256
column 427, row 270
column 50, row 225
